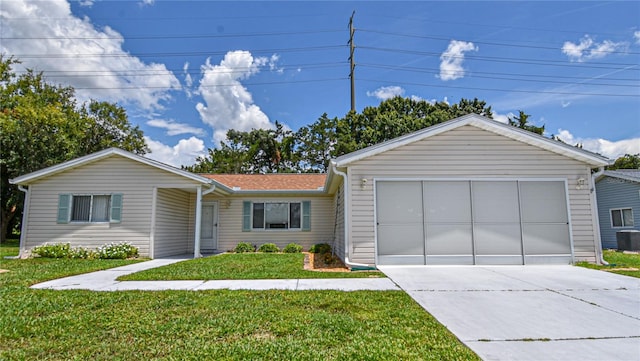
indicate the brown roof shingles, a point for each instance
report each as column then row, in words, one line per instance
column 270, row 181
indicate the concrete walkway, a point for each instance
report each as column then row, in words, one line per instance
column 530, row 312
column 106, row 281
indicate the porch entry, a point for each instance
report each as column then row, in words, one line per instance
column 472, row 222
column 209, row 226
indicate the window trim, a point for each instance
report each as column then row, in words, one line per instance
column 621, row 210
column 65, row 208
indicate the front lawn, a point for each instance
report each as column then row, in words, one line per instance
column 620, row 263
column 209, row 325
column 236, row 266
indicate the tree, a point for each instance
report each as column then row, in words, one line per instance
column 255, row 151
column 627, row 161
column 522, row 122
column 41, row 125
column 315, row 144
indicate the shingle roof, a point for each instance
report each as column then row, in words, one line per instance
column 262, row 182
column 628, row 174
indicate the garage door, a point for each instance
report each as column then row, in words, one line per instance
column 472, row 222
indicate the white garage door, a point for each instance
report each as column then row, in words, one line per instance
column 472, row 222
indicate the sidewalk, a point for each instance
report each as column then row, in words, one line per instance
column 106, row 281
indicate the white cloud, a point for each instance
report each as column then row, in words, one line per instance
column 609, row 149
column 227, row 103
column 386, row 92
column 87, row 3
column 273, row 64
column 75, row 47
column 147, row 2
column 451, row 65
column 636, row 36
column 588, row 49
column 183, row 153
column 174, row 128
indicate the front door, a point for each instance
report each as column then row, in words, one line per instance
column 209, row 227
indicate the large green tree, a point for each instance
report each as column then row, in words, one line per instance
column 627, row 161
column 42, row 125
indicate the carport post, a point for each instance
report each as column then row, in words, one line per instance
column 196, row 242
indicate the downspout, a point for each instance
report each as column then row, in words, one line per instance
column 25, row 218
column 198, row 230
column 596, row 216
column 347, row 234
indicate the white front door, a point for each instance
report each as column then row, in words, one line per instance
column 209, row 227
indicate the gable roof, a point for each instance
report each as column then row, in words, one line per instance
column 110, row 152
column 632, row 175
column 484, row 123
column 271, row 182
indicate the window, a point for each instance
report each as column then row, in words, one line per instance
column 276, row 215
column 89, row 208
column 622, row 217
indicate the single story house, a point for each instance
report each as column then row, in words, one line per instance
column 618, row 196
column 467, row 191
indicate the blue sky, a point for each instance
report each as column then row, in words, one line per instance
column 188, row 71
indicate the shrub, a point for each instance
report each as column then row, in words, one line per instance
column 64, row 250
column 117, row 251
column 292, row 248
column 54, row 250
column 244, row 247
column 320, row 248
column 269, row 248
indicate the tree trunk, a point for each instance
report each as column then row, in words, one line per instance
column 5, row 220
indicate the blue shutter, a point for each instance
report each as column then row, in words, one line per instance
column 246, row 216
column 115, row 215
column 306, row 215
column 64, row 205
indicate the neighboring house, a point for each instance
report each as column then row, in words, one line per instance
column 618, row 194
column 467, row 191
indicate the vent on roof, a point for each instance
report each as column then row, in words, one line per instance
column 236, row 188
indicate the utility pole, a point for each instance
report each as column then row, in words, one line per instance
column 352, row 63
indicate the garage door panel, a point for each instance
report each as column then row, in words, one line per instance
column 495, row 201
column 497, row 239
column 449, row 239
column 404, row 239
column 447, row 202
column 399, row 202
column 543, row 202
column 546, row 239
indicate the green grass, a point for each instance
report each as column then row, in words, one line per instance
column 242, row 266
column 617, row 260
column 209, row 325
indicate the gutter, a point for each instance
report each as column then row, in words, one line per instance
column 347, row 243
column 596, row 216
column 25, row 218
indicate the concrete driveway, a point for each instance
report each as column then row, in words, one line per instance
column 530, row 312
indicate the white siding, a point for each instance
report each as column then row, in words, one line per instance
column 230, row 223
column 111, row 175
column 172, row 223
column 464, row 153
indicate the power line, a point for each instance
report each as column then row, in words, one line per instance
column 167, row 37
column 489, row 43
column 213, row 85
column 503, row 59
column 496, row 76
column 504, row 90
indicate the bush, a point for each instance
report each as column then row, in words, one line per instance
column 55, row 250
column 269, row 248
column 64, row 250
column 117, row 251
column 244, row 247
column 320, row 248
column 292, row 248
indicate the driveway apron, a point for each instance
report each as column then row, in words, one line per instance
column 530, row 312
